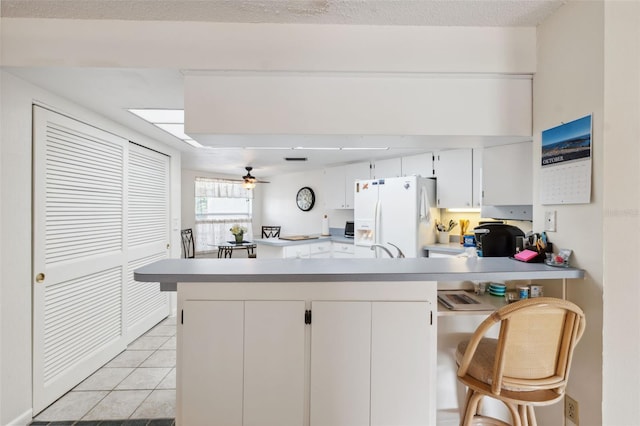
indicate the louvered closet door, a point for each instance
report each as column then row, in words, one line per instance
column 89, row 233
column 147, row 236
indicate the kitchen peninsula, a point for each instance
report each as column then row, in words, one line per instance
column 314, row 341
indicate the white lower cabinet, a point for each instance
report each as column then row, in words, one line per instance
column 299, row 251
column 320, row 250
column 370, row 363
column 256, row 362
column 342, row 250
column 340, row 363
column 242, row 363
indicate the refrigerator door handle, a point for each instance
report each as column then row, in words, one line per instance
column 376, row 226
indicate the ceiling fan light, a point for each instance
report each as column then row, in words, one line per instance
column 249, row 185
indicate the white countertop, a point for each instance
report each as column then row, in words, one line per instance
column 170, row 271
column 277, row 242
column 453, row 248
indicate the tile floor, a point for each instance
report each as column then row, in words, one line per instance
column 137, row 388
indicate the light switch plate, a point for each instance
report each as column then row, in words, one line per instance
column 550, row 221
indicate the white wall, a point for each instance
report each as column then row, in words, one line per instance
column 279, row 205
column 569, row 84
column 15, row 215
column 621, row 216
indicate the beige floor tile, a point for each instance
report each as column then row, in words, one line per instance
column 160, row 358
column 129, row 359
column 143, row 378
column 171, row 344
column 117, row 405
column 160, row 404
column 169, row 381
column 162, row 330
column 148, row 343
column 169, row 321
column 72, row 406
column 104, row 379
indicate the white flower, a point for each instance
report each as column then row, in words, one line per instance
column 237, row 229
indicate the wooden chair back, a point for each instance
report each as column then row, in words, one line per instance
column 271, row 232
column 188, row 245
column 535, row 345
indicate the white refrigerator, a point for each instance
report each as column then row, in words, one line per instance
column 396, row 211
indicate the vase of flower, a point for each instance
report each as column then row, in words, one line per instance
column 238, row 232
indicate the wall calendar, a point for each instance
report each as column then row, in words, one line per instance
column 565, row 177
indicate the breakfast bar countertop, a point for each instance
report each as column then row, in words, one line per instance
column 279, row 242
column 171, row 271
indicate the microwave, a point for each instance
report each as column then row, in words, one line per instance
column 348, row 229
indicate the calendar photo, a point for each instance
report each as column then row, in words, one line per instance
column 566, row 163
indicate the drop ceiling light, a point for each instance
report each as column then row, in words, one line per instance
column 169, row 120
column 365, row 148
column 317, row 148
column 175, row 116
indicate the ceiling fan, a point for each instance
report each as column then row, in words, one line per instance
column 249, row 181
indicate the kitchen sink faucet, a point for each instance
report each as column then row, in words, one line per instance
column 400, row 253
column 373, row 247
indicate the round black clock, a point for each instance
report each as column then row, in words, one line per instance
column 305, row 199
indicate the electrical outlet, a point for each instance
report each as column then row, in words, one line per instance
column 550, row 221
column 571, row 411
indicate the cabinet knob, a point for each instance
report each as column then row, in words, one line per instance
column 40, row 278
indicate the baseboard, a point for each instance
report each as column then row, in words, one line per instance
column 23, row 420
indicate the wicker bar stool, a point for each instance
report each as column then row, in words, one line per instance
column 527, row 366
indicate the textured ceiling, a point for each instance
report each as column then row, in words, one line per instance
column 352, row 12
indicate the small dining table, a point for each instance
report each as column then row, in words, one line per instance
column 226, row 249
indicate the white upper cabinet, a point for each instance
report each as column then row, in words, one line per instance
column 352, row 173
column 391, row 167
column 507, row 175
column 454, row 178
column 420, row 165
column 339, row 183
column 334, row 187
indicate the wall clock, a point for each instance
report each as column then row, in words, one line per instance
column 305, row 199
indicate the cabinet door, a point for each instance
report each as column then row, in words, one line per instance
column 273, row 363
column 320, row 250
column 507, row 175
column 401, row 336
column 334, row 188
column 454, row 178
column 340, row 363
column 477, row 178
column 420, row 165
column 352, row 173
column 296, row 251
column 211, row 367
column 391, row 167
column 342, row 250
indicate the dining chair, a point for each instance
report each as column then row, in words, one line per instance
column 271, row 232
column 188, row 245
column 527, row 365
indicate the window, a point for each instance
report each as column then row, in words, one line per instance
column 219, row 204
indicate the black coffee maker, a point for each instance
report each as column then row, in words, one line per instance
column 496, row 239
